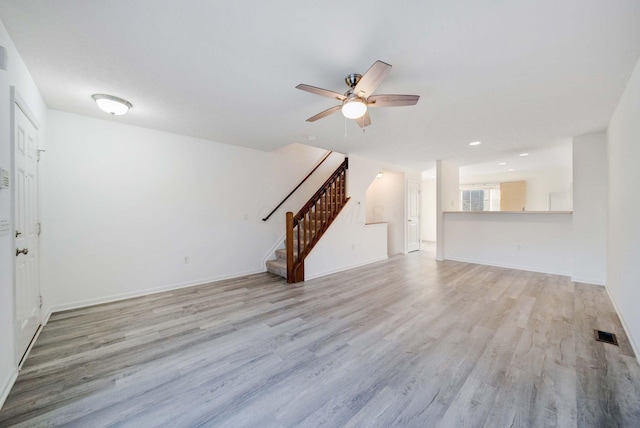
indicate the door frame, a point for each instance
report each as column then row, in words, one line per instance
column 406, row 207
column 18, row 102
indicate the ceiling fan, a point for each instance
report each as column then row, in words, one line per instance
column 359, row 97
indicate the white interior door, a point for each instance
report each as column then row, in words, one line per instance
column 27, row 295
column 413, row 212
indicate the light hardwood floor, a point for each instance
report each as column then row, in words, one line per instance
column 408, row 342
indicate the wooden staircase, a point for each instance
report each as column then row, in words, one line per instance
column 304, row 229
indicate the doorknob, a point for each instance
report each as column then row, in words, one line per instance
column 18, row 233
column 24, row 251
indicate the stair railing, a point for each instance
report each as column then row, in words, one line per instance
column 304, row 230
column 298, row 186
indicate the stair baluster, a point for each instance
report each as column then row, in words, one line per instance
column 307, row 226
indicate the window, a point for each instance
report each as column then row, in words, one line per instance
column 480, row 198
column 475, row 200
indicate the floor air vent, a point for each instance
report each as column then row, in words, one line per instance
column 604, row 336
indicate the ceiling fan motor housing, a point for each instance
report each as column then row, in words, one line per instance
column 352, row 79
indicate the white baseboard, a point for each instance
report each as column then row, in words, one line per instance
column 587, row 281
column 144, row 292
column 33, row 342
column 7, row 385
column 509, row 266
column 343, row 268
column 46, row 316
column 634, row 345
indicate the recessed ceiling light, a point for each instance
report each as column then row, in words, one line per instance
column 524, row 154
column 475, row 143
column 112, row 105
column 510, row 169
column 502, row 163
column 379, row 175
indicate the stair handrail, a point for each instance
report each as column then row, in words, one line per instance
column 331, row 197
column 298, row 186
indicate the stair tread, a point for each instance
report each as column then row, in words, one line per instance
column 277, row 267
column 281, row 254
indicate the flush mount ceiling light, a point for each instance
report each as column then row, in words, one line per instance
column 475, row 143
column 112, row 105
column 353, row 107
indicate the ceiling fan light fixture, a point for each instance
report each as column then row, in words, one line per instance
column 353, row 107
column 112, row 105
column 361, row 95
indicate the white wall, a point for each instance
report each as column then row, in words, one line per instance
column 124, row 205
column 540, row 182
column 527, row 241
column 347, row 244
column 350, row 242
column 623, row 250
column 447, row 199
column 18, row 76
column 385, row 200
column 590, row 181
column 428, row 211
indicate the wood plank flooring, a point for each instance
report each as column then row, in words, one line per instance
column 408, row 342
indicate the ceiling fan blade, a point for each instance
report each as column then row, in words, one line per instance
column 387, row 100
column 371, row 79
column 325, row 113
column 364, row 120
column 321, row 92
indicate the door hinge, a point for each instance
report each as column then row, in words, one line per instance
column 39, row 228
column 40, row 301
column 39, row 153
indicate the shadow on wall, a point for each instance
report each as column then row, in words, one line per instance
column 385, row 199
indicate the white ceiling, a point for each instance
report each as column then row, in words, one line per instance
column 514, row 75
column 559, row 155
